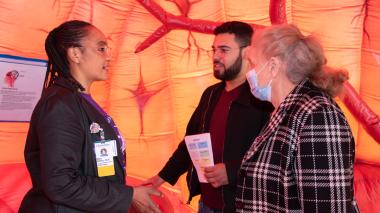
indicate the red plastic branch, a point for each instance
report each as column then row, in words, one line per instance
column 170, row 22
column 361, row 111
column 277, row 12
column 184, row 5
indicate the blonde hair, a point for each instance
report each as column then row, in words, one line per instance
column 303, row 57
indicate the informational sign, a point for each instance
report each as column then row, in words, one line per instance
column 21, row 82
column 200, row 150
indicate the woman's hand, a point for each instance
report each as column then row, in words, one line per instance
column 141, row 199
column 155, row 181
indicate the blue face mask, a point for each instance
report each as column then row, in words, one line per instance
column 262, row 93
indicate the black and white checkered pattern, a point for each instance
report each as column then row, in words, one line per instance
column 303, row 159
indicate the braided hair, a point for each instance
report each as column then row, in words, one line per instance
column 59, row 40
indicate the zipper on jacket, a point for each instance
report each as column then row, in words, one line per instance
column 202, row 130
column 191, row 177
column 229, row 109
column 208, row 106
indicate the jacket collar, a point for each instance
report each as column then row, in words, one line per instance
column 278, row 116
column 245, row 97
column 66, row 83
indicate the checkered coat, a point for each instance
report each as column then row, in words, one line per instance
column 303, row 159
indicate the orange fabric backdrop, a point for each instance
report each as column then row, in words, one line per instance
column 152, row 94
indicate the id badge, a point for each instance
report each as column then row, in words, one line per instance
column 105, row 151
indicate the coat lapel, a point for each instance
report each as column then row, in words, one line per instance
column 276, row 119
column 110, row 134
column 268, row 130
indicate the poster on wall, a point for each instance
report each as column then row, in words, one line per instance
column 21, row 82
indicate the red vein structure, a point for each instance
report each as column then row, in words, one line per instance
column 170, row 22
column 277, row 13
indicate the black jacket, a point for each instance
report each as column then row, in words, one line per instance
column 246, row 117
column 60, row 158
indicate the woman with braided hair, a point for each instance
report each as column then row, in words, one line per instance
column 68, row 130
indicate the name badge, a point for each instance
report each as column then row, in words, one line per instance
column 105, row 151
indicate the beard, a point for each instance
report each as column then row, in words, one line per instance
column 229, row 73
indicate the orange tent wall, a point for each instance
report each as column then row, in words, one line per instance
column 152, row 94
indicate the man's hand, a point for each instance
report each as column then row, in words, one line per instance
column 217, row 175
column 155, row 181
column 141, row 199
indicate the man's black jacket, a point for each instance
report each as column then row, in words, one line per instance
column 247, row 116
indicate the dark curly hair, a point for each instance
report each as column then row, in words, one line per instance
column 243, row 32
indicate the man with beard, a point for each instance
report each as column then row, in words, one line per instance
column 232, row 116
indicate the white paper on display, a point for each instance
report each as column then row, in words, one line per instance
column 21, row 82
column 200, row 150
